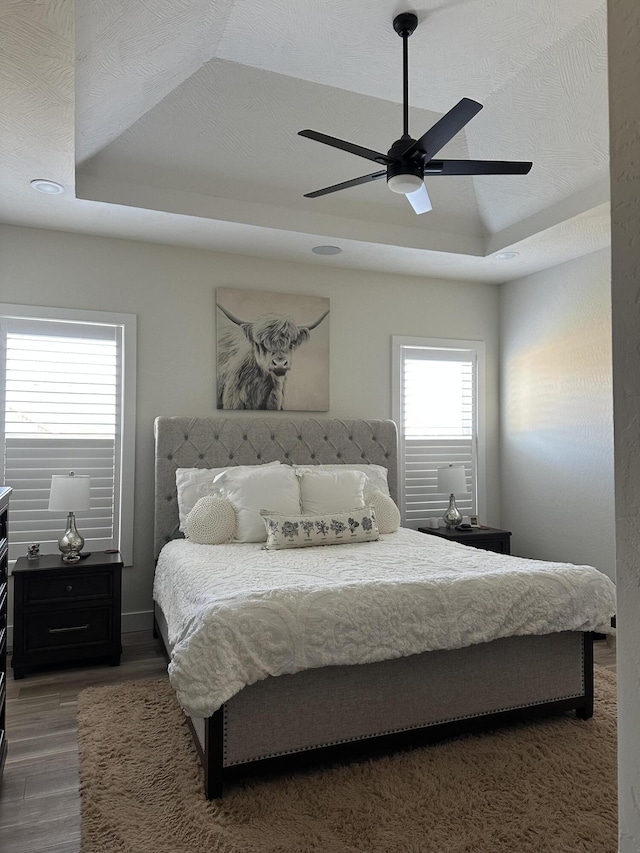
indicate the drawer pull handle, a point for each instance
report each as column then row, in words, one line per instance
column 64, row 630
column 69, row 588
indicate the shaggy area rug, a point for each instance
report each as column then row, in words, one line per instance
column 543, row 787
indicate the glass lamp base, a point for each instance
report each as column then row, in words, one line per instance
column 71, row 542
column 70, row 558
column 452, row 516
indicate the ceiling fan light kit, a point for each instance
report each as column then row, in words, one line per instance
column 404, row 184
column 409, row 160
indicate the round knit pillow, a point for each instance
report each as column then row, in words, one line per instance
column 212, row 521
column 387, row 513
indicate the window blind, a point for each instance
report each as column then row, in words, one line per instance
column 437, row 426
column 61, row 400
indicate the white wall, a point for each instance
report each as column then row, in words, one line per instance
column 172, row 292
column 557, row 414
column 624, row 85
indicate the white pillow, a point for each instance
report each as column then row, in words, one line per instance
column 194, row 483
column 376, row 474
column 334, row 528
column 260, row 487
column 330, row 491
column 387, row 513
column 212, row 521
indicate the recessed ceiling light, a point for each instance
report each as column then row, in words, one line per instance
column 326, row 250
column 48, row 187
column 506, row 256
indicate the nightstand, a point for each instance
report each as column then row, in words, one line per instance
column 66, row 613
column 487, row 538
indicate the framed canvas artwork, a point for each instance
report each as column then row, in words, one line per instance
column 272, row 351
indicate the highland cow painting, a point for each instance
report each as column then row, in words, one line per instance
column 273, row 351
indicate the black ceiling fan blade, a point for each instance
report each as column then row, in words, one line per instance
column 443, row 130
column 358, row 150
column 346, row 184
column 477, row 167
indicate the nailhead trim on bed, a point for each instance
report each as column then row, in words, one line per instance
column 388, row 731
column 447, row 719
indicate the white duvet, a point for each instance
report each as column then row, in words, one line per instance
column 237, row 613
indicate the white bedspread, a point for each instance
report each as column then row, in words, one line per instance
column 236, row 613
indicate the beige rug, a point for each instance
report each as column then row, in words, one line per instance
column 545, row 787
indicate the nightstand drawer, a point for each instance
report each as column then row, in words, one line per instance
column 69, row 587
column 56, row 629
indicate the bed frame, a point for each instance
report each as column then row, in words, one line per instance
column 338, row 712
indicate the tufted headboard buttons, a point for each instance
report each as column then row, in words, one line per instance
column 217, row 442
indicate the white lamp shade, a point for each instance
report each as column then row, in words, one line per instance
column 452, row 480
column 70, row 492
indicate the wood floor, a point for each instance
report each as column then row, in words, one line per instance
column 39, row 796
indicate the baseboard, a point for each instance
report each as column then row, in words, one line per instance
column 140, row 621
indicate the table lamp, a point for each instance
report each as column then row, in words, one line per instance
column 452, row 479
column 70, row 493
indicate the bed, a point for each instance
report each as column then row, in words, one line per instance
column 333, row 711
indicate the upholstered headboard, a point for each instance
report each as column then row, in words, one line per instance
column 217, row 442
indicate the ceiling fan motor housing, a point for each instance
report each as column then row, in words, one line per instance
column 410, row 169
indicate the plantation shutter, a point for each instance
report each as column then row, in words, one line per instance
column 62, row 410
column 438, row 420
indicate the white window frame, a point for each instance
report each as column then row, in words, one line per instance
column 398, row 343
column 125, row 451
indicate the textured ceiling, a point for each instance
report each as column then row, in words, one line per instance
column 176, row 121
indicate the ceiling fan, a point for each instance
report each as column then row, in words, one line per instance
column 409, row 160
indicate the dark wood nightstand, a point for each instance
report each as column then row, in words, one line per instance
column 487, row 538
column 66, row 612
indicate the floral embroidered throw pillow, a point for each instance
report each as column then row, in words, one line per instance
column 329, row 528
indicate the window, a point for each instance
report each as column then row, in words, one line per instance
column 67, row 403
column 437, row 402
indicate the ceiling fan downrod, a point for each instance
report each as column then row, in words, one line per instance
column 405, row 24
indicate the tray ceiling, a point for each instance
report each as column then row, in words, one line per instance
column 176, row 121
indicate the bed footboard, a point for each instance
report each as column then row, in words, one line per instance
column 341, row 712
